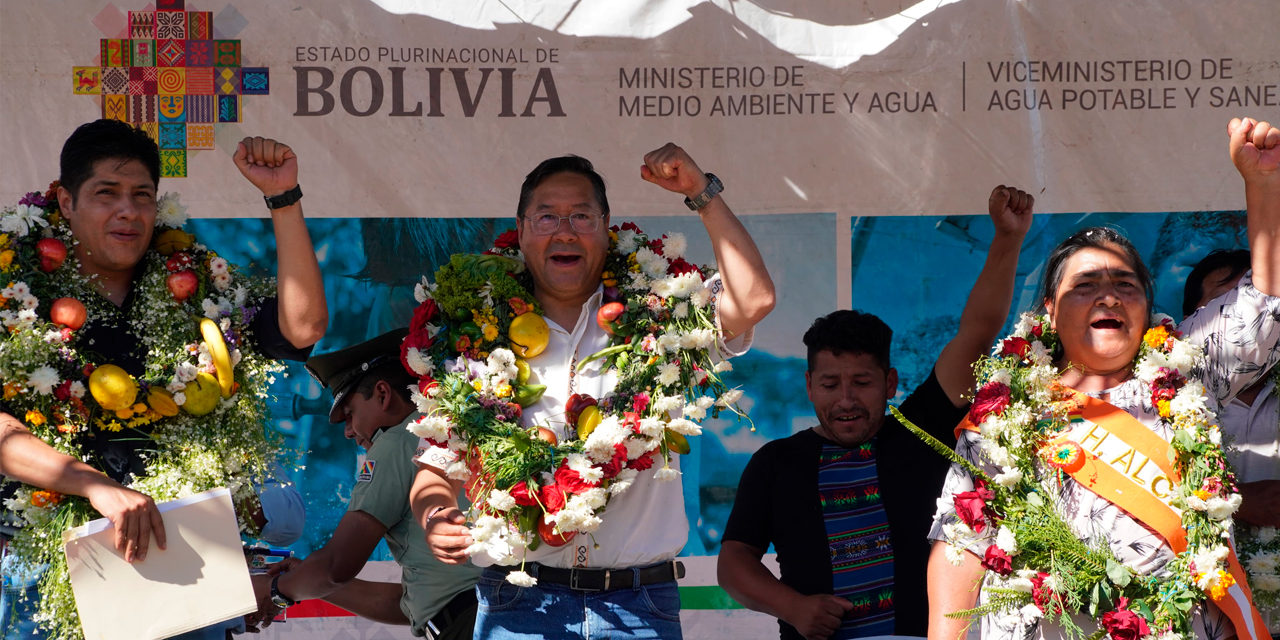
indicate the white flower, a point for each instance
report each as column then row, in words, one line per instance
column 1220, row 509
column 1020, row 583
column 681, row 311
column 1266, row 534
column 240, row 296
column 421, row 364
column 668, row 373
column 186, row 372
column 236, row 357
column 582, row 464
column 458, row 471
column 1009, row 477
column 22, row 219
column 667, row 404
column 685, row 427
column 675, row 245
column 431, row 427
column 222, row 281
column 26, row 316
column 1039, row 355
column 1023, row 327
column 19, row 502
column 1170, row 635
column 638, row 282
column 955, row 555
column 77, row 389
column 423, row 290
column 622, row 481
column 211, row 309
column 668, row 342
column 663, row 288
column 521, row 579
column 998, row 455
column 595, row 498
column 626, row 241
column 650, row 428
column 1030, row 613
column 1260, row 563
column 424, row 404
column 503, row 361
column 1001, row 376
column 1207, row 561
column 697, row 339
column 170, row 212
column 30, row 302
column 43, row 380
column 700, row 298
column 18, row 290
column 1006, row 541
column 729, row 398
column 666, row 474
column 179, row 398
column 722, row 366
column 1194, row 502
column 501, row 500
column 694, row 412
column 1266, row 582
column 218, row 266
column 652, row 264
column 606, row 436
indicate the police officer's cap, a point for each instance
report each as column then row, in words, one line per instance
column 340, row 370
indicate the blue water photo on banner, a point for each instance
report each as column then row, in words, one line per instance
column 370, row 266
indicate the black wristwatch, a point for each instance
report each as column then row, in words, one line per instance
column 285, row 199
column 279, row 599
column 713, row 187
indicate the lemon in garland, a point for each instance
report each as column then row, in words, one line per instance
column 529, row 334
column 113, row 387
column 202, row 394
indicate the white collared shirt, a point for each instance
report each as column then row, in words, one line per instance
column 1254, row 433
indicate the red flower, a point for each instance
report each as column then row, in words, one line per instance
column 640, row 402
column 426, row 312
column 1043, row 596
column 1015, row 346
column 631, row 419
column 998, row 561
column 1125, row 625
column 617, row 463
column 427, row 384
column 415, row 340
column 643, row 462
column 1037, row 330
column 971, row 507
column 508, row 240
column 518, row 306
column 655, row 245
column 63, row 391
column 520, row 491
column 552, row 497
column 993, row 397
column 630, row 226
column 680, row 267
column 570, row 481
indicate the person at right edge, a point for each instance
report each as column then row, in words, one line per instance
column 848, row 503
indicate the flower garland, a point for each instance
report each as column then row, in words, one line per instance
column 467, row 343
column 199, row 407
column 1038, row 567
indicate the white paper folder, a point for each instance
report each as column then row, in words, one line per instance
column 200, row 579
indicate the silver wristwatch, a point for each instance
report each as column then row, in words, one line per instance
column 713, row 188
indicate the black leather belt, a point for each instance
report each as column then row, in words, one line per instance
column 610, row 579
column 451, row 612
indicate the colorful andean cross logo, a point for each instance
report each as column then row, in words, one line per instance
column 174, row 76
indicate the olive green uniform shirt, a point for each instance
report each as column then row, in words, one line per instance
column 381, row 490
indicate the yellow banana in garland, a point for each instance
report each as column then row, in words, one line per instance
column 218, row 352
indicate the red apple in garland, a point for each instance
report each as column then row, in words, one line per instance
column 548, row 436
column 69, row 313
column 52, row 253
column 182, row 284
column 607, row 314
column 576, row 403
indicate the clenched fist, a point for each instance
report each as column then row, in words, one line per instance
column 1010, row 210
column 671, row 168
column 1255, row 149
column 271, row 166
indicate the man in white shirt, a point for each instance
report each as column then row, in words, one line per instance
column 619, row 582
column 1251, row 420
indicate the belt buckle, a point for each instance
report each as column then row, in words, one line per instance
column 573, row 581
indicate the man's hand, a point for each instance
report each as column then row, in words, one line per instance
column 284, row 566
column 134, row 516
column 271, row 166
column 267, row 610
column 448, row 536
column 1010, row 210
column 1255, row 149
column 672, row 169
column 817, row 617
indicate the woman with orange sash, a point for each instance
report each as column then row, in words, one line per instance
column 1121, row 491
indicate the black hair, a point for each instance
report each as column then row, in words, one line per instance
column 847, row 331
column 105, row 140
column 1238, row 260
column 563, row 164
column 1095, row 238
column 395, row 375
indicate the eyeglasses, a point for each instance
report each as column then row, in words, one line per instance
column 545, row 224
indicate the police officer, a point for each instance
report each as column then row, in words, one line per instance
column 371, row 395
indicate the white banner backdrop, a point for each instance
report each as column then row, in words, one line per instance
column 433, row 108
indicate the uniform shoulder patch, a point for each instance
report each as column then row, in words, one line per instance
column 366, row 471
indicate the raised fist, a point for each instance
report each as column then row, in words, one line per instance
column 1255, row 149
column 271, row 166
column 672, row 169
column 1010, row 210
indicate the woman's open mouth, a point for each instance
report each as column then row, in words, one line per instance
column 1108, row 323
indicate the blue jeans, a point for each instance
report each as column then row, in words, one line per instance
column 19, row 599
column 508, row 612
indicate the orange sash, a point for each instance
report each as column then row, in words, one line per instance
column 1128, row 465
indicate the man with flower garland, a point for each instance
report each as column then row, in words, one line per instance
column 110, row 172
column 619, row 581
column 847, row 504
